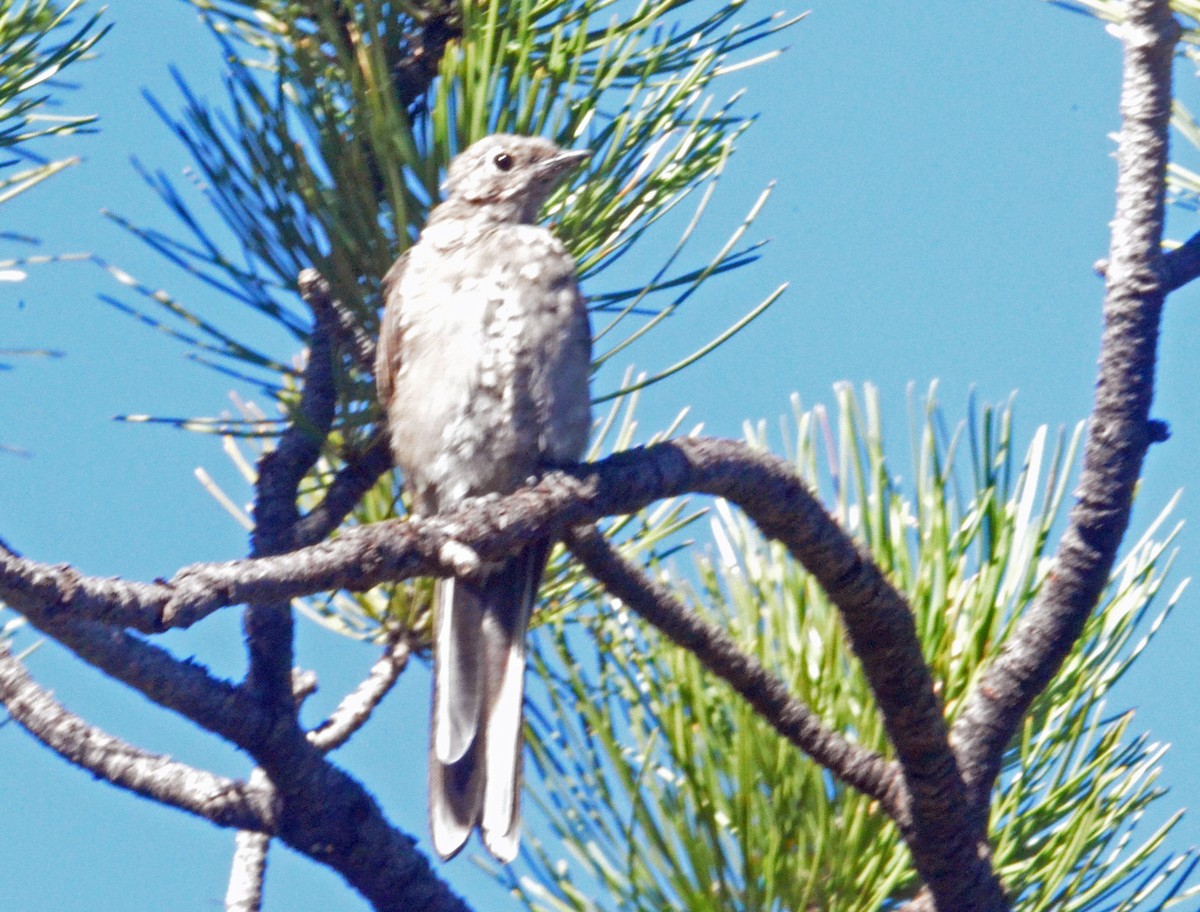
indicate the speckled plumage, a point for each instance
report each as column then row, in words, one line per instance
column 483, row 363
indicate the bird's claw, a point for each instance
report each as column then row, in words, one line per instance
column 460, row 558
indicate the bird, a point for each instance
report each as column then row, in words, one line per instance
column 482, row 368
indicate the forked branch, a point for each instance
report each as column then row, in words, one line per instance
column 223, row 801
column 877, row 617
column 1120, row 430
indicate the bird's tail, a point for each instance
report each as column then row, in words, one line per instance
column 475, row 754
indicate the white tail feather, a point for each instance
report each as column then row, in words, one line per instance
column 449, row 831
column 503, row 749
column 458, row 690
column 479, row 692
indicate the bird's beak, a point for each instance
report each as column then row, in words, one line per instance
column 564, row 162
column 573, row 157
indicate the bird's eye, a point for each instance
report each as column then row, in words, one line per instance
column 503, row 161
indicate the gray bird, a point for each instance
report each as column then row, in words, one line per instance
column 482, row 366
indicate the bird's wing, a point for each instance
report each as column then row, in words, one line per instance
column 560, row 331
column 390, row 344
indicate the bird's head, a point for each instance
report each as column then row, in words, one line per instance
column 510, row 175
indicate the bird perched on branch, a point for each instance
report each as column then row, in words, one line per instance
column 482, row 367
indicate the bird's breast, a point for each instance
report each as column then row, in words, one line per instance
column 482, row 326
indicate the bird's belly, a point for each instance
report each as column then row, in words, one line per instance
column 460, row 435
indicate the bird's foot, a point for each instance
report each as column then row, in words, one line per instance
column 459, row 558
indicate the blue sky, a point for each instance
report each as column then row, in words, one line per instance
column 944, row 182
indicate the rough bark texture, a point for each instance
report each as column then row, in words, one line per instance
column 928, row 801
column 247, row 872
column 1120, row 430
column 939, row 796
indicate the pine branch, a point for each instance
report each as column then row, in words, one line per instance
column 353, row 480
column 269, row 625
column 944, row 840
column 1120, row 430
column 856, row 765
column 247, row 871
column 357, row 706
column 222, row 801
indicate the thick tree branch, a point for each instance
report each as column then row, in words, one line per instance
column 269, row 625
column 1120, row 430
column 184, row 687
column 856, row 765
column 222, row 801
column 356, row 707
column 877, row 618
column 365, row 556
